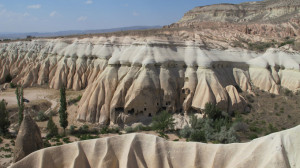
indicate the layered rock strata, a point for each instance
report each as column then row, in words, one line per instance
column 131, row 77
column 278, row 150
column 245, row 22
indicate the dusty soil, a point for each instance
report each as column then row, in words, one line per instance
column 6, row 151
column 271, row 113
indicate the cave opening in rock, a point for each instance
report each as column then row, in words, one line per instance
column 119, row 109
column 131, row 111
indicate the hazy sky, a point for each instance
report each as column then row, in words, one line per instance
column 57, row 15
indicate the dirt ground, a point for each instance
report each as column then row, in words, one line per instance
column 271, row 113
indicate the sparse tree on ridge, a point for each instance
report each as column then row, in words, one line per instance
column 63, row 115
column 20, row 100
column 4, row 121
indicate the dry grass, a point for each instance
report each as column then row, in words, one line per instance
column 271, row 113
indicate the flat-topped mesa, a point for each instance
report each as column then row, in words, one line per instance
column 130, row 78
column 268, row 11
column 269, row 18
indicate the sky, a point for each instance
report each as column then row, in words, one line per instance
column 19, row 16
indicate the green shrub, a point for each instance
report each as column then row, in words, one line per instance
column 212, row 111
column 255, row 129
column 226, row 136
column 163, row 135
column 281, row 110
column 41, row 116
column 46, row 143
column 288, row 92
column 288, row 41
column 88, row 136
column 8, row 156
column 197, row 136
column 163, row 122
column 56, row 139
column 52, row 129
column 73, row 129
column 272, row 129
column 12, row 142
column 75, row 100
column 114, row 130
column 207, row 129
column 185, row 132
column 129, row 130
column 12, row 85
column 104, row 130
column 83, row 129
column 139, row 128
column 1, row 140
column 58, row 143
column 260, row 46
column 252, row 136
column 66, row 140
column 240, row 127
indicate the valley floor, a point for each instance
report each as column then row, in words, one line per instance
column 269, row 113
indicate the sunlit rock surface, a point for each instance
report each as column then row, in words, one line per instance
column 278, row 150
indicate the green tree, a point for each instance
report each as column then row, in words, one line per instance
column 63, row 115
column 20, row 100
column 52, row 128
column 212, row 111
column 163, row 122
column 4, row 121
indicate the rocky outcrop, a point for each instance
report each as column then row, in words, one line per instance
column 28, row 140
column 245, row 22
column 126, row 78
column 267, row 11
column 278, row 150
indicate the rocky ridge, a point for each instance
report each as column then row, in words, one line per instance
column 278, row 150
column 269, row 18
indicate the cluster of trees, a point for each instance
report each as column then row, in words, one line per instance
column 215, row 126
column 51, row 127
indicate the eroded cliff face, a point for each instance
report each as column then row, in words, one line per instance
column 270, row 11
column 271, row 19
column 129, row 78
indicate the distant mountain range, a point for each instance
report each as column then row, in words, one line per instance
column 71, row 32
